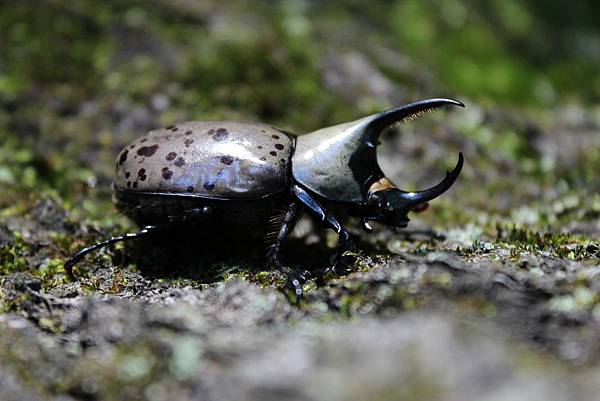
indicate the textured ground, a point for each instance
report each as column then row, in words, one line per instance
column 503, row 304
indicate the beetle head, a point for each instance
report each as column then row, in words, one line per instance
column 390, row 205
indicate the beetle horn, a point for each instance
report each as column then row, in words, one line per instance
column 409, row 111
column 339, row 162
column 410, row 200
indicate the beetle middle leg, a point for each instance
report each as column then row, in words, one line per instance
column 345, row 242
column 295, row 280
column 146, row 231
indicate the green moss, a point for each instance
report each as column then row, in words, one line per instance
column 52, row 273
column 564, row 246
column 13, row 256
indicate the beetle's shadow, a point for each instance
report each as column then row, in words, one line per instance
column 207, row 257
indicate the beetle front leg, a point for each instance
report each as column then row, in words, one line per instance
column 345, row 242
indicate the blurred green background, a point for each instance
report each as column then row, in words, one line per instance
column 79, row 79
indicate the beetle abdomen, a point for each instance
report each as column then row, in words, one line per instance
column 212, row 159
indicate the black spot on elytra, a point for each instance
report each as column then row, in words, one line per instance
column 128, row 184
column 209, row 186
column 282, row 161
column 188, row 132
column 142, row 174
column 132, row 146
column 227, row 160
column 135, row 184
column 170, row 127
column 221, row 134
column 259, row 147
column 273, row 153
column 187, row 142
column 166, row 173
column 263, row 159
column 127, row 174
column 275, row 136
column 279, row 146
column 190, row 189
column 179, row 162
column 210, row 132
column 123, row 157
column 143, row 140
column 147, row 150
column 171, row 156
column 174, row 129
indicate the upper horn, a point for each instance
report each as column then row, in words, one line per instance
column 384, row 119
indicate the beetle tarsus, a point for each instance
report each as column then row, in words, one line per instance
column 295, row 282
column 125, row 237
column 294, row 279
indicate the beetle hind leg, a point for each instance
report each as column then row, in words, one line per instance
column 73, row 260
column 144, row 232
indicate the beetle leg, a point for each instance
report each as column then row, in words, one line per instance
column 345, row 242
column 145, row 231
column 294, row 279
column 285, row 229
column 73, row 260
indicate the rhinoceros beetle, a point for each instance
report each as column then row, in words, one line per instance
column 242, row 173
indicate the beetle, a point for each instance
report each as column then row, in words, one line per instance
column 241, row 174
